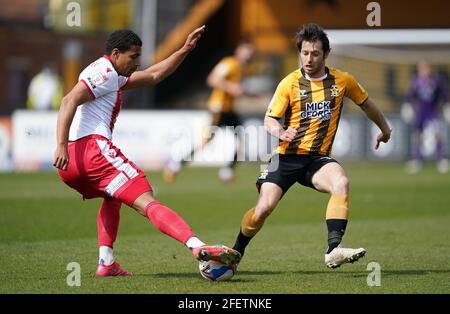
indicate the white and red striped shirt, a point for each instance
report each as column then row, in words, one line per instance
column 99, row 115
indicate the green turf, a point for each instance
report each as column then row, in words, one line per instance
column 403, row 222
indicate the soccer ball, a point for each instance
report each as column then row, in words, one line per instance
column 216, row 271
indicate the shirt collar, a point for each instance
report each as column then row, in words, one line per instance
column 327, row 71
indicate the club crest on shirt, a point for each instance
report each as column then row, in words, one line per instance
column 334, row 90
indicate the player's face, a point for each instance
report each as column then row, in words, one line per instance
column 313, row 58
column 424, row 69
column 245, row 53
column 127, row 62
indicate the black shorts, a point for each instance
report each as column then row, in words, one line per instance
column 285, row 170
column 226, row 119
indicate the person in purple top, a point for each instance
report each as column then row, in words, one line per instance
column 422, row 110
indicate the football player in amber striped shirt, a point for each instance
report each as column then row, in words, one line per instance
column 310, row 100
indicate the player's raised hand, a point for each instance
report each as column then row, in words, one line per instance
column 61, row 160
column 193, row 38
column 383, row 137
column 289, row 134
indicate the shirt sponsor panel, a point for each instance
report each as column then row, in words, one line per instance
column 116, row 184
column 315, row 106
column 318, row 110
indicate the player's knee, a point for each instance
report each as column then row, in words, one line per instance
column 141, row 203
column 140, row 210
column 341, row 186
column 264, row 209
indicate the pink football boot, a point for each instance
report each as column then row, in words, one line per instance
column 111, row 270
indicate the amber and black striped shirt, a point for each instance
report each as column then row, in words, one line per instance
column 315, row 106
column 230, row 70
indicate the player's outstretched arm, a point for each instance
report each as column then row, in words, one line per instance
column 375, row 114
column 158, row 72
column 77, row 96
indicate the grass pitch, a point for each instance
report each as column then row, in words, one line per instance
column 403, row 222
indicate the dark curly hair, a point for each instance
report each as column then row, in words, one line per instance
column 312, row 32
column 122, row 39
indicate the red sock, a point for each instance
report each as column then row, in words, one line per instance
column 108, row 222
column 168, row 222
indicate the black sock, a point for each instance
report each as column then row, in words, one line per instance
column 336, row 229
column 241, row 243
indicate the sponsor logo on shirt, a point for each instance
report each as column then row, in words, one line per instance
column 317, row 110
column 97, row 79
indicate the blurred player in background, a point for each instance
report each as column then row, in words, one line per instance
column 45, row 90
column 421, row 108
column 225, row 80
column 310, row 100
column 88, row 161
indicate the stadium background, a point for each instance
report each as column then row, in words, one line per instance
column 35, row 31
column 393, row 204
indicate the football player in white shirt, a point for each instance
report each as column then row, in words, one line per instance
column 88, row 161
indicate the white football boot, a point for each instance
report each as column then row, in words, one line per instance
column 341, row 255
